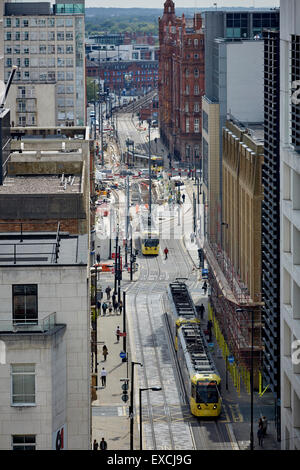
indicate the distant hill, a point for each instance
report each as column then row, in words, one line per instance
column 152, row 13
column 145, row 20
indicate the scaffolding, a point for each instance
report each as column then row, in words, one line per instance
column 233, row 313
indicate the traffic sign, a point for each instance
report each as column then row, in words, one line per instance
column 122, row 355
column 230, row 359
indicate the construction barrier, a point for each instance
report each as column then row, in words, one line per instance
column 236, row 371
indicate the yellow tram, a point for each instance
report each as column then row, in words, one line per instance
column 201, row 379
column 182, row 307
column 149, row 235
column 157, row 163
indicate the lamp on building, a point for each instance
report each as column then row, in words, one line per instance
column 154, row 389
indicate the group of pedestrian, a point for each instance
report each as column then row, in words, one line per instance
column 111, row 304
column 102, row 445
column 262, row 430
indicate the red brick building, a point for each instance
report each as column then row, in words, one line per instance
column 181, row 83
column 131, row 75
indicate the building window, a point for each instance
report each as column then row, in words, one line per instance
column 196, row 90
column 196, row 125
column 187, row 125
column 195, row 42
column 25, row 23
column 187, row 89
column 23, row 384
column 60, row 36
column 8, row 22
column 25, row 308
column 196, row 73
column 187, row 151
column 25, row 442
column 205, row 162
column 196, row 108
column 205, row 121
column 186, row 107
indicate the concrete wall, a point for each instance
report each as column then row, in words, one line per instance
column 45, row 99
column 62, row 362
column 212, row 192
column 245, row 85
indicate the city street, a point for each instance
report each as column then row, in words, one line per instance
column 167, row 421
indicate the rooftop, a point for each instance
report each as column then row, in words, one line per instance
column 41, row 185
column 43, row 248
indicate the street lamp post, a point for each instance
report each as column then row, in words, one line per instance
column 131, row 402
column 154, row 389
column 149, row 169
column 124, row 326
column 251, row 375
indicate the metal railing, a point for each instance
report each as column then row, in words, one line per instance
column 28, row 326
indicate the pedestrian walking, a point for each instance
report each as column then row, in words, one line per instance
column 118, row 333
column 104, row 308
column 110, row 307
column 204, row 287
column 120, row 307
column 104, row 352
column 209, row 330
column 201, row 311
column 183, row 198
column 260, row 436
column 103, row 444
column 116, row 306
column 98, row 307
column 103, row 377
column 113, row 298
column 166, row 251
column 95, row 445
column 108, row 290
column 264, row 425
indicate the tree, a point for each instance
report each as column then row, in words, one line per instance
column 91, row 89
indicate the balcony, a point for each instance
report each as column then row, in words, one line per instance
column 44, row 326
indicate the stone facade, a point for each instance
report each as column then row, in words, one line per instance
column 242, row 198
column 61, row 358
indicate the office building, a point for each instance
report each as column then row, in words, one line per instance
column 47, row 44
column 271, row 220
column 290, row 222
column 45, row 329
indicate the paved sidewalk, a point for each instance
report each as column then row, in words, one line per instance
column 109, row 413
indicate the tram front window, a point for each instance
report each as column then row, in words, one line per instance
column 207, row 394
column 151, row 242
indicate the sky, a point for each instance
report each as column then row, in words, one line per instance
column 181, row 3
